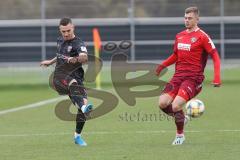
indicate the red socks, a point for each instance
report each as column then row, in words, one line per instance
column 179, row 117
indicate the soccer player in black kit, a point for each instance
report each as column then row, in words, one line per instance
column 68, row 74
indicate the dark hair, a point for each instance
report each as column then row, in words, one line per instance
column 194, row 10
column 65, row 21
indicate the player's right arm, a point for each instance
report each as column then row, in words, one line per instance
column 47, row 63
column 169, row 61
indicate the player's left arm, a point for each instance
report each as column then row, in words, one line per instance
column 211, row 49
column 82, row 53
column 217, row 65
column 82, row 57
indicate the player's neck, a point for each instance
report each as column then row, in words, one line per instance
column 189, row 30
column 73, row 36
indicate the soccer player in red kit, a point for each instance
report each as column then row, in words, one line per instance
column 191, row 49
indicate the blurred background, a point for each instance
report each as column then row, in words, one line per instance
column 29, row 28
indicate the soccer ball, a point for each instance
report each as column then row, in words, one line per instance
column 195, row 108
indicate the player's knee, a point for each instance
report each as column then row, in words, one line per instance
column 162, row 104
column 176, row 107
column 164, row 101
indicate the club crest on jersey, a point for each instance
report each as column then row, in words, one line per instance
column 84, row 49
column 69, row 48
column 193, row 39
column 184, row 46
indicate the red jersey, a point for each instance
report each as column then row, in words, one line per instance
column 192, row 51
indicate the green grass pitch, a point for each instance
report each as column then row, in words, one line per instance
column 126, row 133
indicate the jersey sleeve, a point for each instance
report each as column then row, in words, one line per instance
column 208, row 44
column 210, row 48
column 170, row 60
column 81, row 48
column 60, row 57
column 175, row 46
column 58, row 46
column 217, row 64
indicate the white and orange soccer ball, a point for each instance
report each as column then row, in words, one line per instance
column 195, row 108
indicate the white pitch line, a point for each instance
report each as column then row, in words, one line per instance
column 114, row 132
column 33, row 105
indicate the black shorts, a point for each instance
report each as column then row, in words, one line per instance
column 60, row 83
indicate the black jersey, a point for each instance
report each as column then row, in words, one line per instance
column 66, row 49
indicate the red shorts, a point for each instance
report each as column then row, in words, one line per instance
column 185, row 87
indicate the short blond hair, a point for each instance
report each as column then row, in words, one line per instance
column 194, row 10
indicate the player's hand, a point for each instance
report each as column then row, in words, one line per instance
column 82, row 58
column 72, row 60
column 46, row 63
column 158, row 69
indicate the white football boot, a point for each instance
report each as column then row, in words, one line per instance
column 179, row 139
